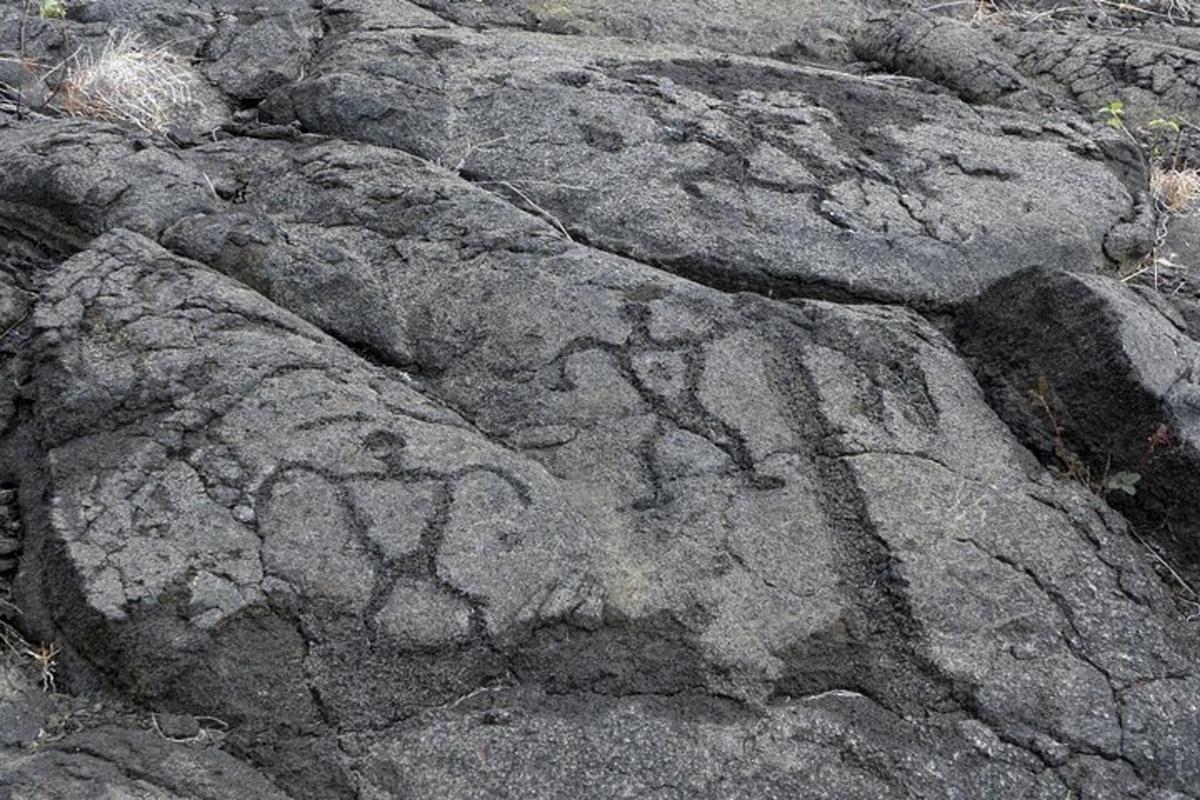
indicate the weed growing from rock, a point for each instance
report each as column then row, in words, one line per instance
column 43, row 656
column 1070, row 465
column 1176, row 189
column 52, row 9
column 1173, row 185
column 128, row 84
column 1073, row 468
column 1113, row 114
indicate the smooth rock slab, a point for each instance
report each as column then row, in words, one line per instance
column 975, row 583
column 555, row 466
column 736, row 172
column 839, row 745
column 206, row 515
column 806, row 29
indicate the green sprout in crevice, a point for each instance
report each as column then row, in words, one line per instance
column 52, row 9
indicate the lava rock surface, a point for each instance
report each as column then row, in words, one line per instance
column 730, row 399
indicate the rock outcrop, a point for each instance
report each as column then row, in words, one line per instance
column 542, row 399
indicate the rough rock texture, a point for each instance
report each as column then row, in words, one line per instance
column 543, row 399
column 734, row 172
column 1120, row 366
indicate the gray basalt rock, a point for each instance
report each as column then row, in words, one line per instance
column 1152, row 78
column 735, row 172
column 1118, row 370
column 798, row 29
column 544, row 399
column 68, row 182
column 118, row 762
column 258, row 48
column 947, row 53
column 202, row 530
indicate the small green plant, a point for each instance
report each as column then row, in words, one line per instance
column 1172, row 124
column 52, row 9
column 1122, row 482
column 1114, row 114
column 1164, row 136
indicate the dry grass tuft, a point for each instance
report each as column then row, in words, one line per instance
column 128, row 84
column 1176, row 189
column 43, row 656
